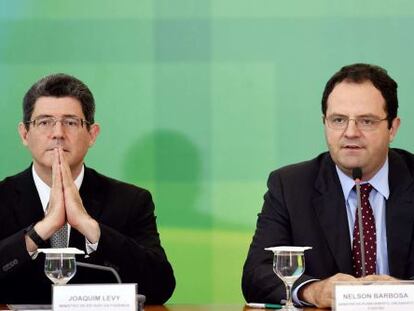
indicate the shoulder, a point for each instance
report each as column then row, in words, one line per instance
column 306, row 170
column 11, row 182
column 401, row 155
column 401, row 165
column 104, row 193
column 98, row 181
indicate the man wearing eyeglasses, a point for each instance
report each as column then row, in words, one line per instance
column 59, row 202
column 314, row 203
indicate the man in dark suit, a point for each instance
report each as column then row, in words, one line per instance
column 113, row 222
column 313, row 203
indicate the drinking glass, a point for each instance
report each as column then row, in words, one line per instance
column 289, row 265
column 60, row 268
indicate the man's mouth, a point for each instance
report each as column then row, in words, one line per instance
column 352, row 147
column 53, row 148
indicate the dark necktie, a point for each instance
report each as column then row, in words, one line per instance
column 370, row 238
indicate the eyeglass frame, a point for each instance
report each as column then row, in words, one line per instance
column 56, row 120
column 357, row 121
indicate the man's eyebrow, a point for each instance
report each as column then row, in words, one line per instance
column 52, row 116
column 369, row 115
column 43, row 116
column 71, row 116
column 338, row 115
column 366, row 115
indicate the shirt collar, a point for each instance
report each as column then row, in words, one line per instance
column 44, row 190
column 379, row 181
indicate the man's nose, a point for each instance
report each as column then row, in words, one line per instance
column 57, row 129
column 352, row 129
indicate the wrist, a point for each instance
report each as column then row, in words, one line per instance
column 33, row 235
column 45, row 228
column 90, row 229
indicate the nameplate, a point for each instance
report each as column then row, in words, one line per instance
column 74, row 297
column 390, row 296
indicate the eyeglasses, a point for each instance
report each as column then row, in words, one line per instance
column 46, row 124
column 338, row 122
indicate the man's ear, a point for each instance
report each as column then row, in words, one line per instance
column 23, row 132
column 93, row 133
column 395, row 125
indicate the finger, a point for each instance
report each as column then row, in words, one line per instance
column 65, row 164
column 375, row 277
column 56, row 178
column 55, row 166
column 389, row 278
column 342, row 277
column 73, row 202
column 66, row 173
column 55, row 205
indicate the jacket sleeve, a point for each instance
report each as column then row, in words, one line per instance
column 259, row 282
column 135, row 251
column 14, row 254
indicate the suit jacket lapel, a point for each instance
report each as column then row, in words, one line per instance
column 28, row 206
column 329, row 205
column 399, row 215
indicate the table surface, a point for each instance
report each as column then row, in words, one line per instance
column 194, row 307
column 208, row 307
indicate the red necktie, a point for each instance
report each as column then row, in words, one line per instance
column 370, row 238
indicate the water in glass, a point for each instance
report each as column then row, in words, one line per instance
column 60, row 268
column 289, row 266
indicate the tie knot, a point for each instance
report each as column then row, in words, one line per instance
column 366, row 189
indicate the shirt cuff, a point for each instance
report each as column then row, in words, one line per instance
column 90, row 247
column 33, row 254
column 295, row 292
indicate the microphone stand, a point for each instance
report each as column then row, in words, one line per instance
column 140, row 298
column 99, row 267
column 361, row 231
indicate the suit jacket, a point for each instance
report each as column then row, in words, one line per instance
column 305, row 206
column 129, row 239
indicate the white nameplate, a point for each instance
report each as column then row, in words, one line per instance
column 389, row 296
column 117, row 297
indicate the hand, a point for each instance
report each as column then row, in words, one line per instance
column 320, row 293
column 55, row 212
column 76, row 214
column 55, row 216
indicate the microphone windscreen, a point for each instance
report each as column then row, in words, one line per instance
column 356, row 173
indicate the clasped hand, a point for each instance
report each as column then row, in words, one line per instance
column 65, row 205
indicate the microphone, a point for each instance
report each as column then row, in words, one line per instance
column 357, row 173
column 356, row 176
column 140, row 298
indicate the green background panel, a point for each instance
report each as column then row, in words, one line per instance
column 243, row 105
column 199, row 100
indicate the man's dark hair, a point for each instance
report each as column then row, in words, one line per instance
column 360, row 73
column 59, row 85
